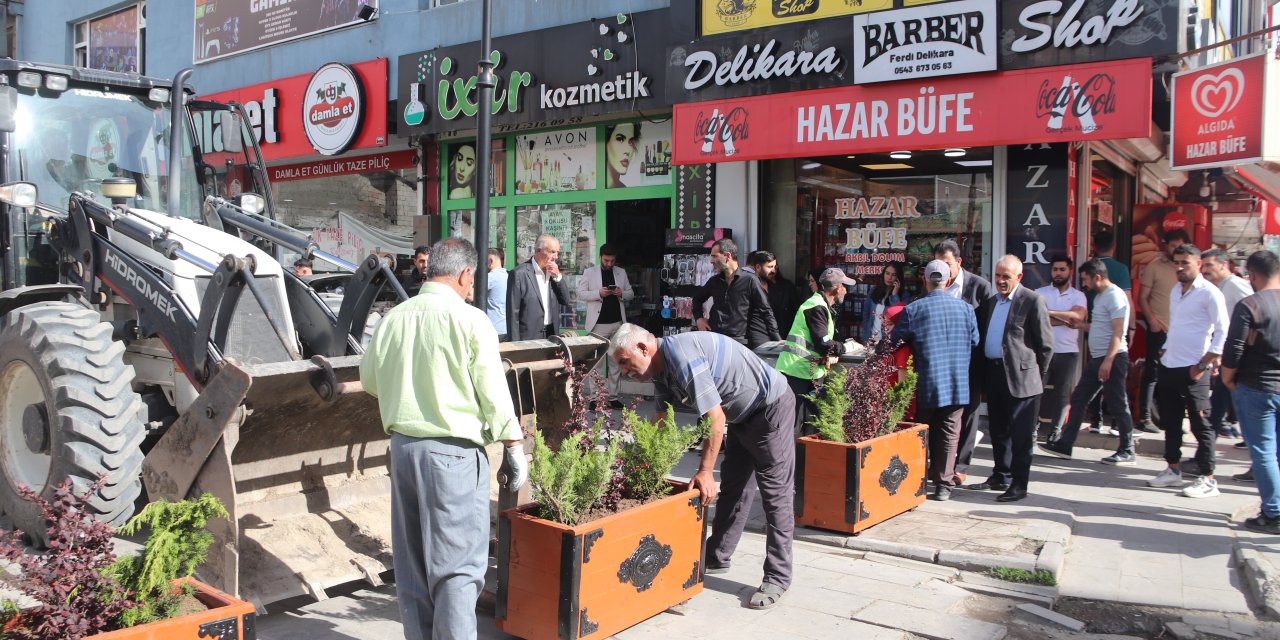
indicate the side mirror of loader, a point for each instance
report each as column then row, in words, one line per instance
column 8, row 107
column 232, row 140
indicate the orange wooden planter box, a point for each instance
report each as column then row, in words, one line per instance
column 595, row 579
column 227, row 619
column 849, row 487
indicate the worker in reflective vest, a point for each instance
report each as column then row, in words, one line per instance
column 810, row 342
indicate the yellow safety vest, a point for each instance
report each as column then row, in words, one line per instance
column 798, row 358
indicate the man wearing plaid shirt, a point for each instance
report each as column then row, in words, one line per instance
column 943, row 331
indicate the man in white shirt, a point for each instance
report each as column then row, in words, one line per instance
column 1192, row 349
column 606, row 291
column 1215, row 266
column 1067, row 308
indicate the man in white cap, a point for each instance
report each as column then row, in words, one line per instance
column 942, row 330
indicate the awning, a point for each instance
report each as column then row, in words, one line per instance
column 1263, row 181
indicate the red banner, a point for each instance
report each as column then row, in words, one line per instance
column 390, row 161
column 1097, row 101
column 1218, row 114
column 275, row 111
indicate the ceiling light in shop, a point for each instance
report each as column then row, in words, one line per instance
column 886, row 166
column 974, row 163
column 849, row 157
column 809, row 166
column 954, row 153
column 900, row 155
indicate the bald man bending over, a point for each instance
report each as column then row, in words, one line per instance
column 1016, row 344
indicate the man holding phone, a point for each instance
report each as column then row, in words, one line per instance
column 536, row 293
column 606, row 290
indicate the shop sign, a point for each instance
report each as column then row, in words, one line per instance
column 1042, row 33
column 554, row 76
column 1219, row 117
column 227, row 27
column 920, row 42
column 280, row 112
column 724, row 16
column 695, row 197
column 332, row 109
column 696, row 238
column 872, row 236
column 788, row 58
column 1039, row 201
column 1056, row 104
column 390, row 161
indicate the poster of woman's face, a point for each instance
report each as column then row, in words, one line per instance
column 462, row 171
column 638, row 154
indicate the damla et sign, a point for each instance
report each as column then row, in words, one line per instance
column 928, row 41
column 545, row 78
column 1041, row 33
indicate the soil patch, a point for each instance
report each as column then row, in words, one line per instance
column 623, row 505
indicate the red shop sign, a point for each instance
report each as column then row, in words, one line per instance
column 390, row 161
column 275, row 111
column 1218, row 114
column 1097, row 101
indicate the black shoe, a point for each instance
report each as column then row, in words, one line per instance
column 1244, row 477
column 987, row 486
column 714, row 569
column 1241, row 445
column 1014, row 494
column 1148, row 426
column 1263, row 523
column 1054, row 451
column 942, row 494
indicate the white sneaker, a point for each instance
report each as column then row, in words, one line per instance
column 1166, row 478
column 1202, row 488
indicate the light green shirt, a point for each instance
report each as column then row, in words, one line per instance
column 433, row 364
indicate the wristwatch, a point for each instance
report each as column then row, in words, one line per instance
column 1205, row 366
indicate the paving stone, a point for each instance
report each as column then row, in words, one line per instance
column 932, row 599
column 1006, row 593
column 981, row 561
column 917, row 552
column 1052, row 616
column 819, row 626
column 1219, row 632
column 824, row 600
column 1043, row 591
column 930, row 624
column 1180, row 630
column 915, row 565
column 1051, row 558
column 885, row 573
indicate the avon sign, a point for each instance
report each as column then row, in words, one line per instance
column 1057, row 104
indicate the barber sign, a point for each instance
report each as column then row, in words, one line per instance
column 927, row 41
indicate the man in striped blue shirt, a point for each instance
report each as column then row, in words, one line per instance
column 725, row 382
column 943, row 331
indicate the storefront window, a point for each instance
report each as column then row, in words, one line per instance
column 586, row 186
column 863, row 213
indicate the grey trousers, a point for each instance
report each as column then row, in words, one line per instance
column 439, row 533
column 608, row 368
column 764, row 448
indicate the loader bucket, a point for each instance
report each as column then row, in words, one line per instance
column 297, row 453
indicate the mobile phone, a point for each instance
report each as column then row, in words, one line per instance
column 613, row 287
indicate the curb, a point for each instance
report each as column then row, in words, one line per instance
column 1262, row 578
column 1051, row 557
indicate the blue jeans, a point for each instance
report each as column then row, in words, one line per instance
column 1257, row 411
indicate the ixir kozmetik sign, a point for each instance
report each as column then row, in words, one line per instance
column 1219, row 115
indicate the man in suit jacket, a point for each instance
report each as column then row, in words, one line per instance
column 536, row 292
column 606, row 291
column 973, row 289
column 1016, row 345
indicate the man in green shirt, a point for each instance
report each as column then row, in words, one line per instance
column 433, row 365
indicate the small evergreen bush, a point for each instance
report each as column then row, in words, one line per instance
column 177, row 543
column 832, row 404
column 653, row 451
column 857, row 404
column 569, row 482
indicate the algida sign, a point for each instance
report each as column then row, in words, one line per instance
column 545, row 78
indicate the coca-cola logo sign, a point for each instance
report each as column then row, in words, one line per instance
column 333, row 109
column 1076, row 105
column 718, row 131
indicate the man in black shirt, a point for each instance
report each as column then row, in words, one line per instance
column 780, row 291
column 739, row 309
column 1251, row 370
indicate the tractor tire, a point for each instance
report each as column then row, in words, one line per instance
column 67, row 411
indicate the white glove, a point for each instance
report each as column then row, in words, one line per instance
column 514, row 455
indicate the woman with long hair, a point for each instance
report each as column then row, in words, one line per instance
column 621, row 142
column 882, row 297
